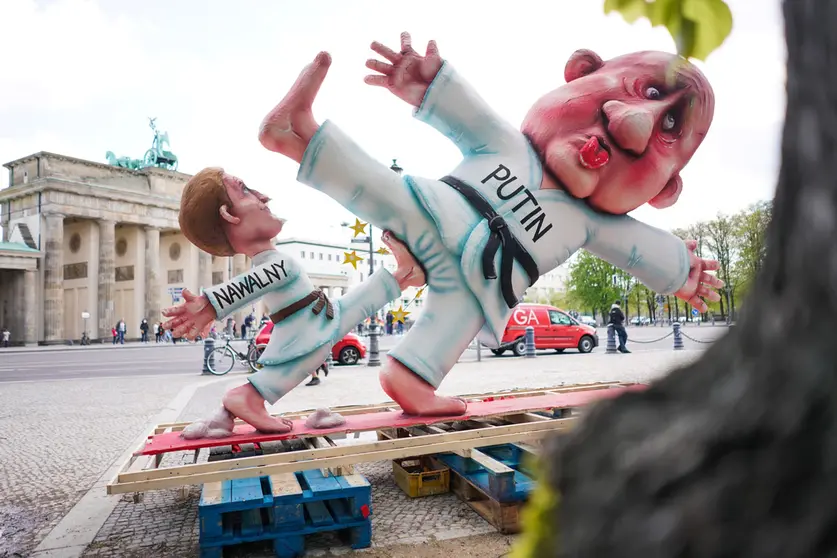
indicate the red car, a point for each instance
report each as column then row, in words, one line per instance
column 348, row 350
column 554, row 329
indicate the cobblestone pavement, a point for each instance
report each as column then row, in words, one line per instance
column 166, row 525
column 58, row 438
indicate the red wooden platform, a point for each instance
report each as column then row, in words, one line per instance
column 246, row 434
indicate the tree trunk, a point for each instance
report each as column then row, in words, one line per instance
column 735, row 454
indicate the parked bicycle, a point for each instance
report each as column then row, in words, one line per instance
column 222, row 359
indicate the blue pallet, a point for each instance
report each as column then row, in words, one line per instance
column 284, row 509
column 510, row 486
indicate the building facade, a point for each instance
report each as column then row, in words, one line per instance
column 551, row 282
column 87, row 244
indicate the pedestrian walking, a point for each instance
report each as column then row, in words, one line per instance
column 6, row 336
column 121, row 328
column 144, row 331
column 315, row 376
column 617, row 318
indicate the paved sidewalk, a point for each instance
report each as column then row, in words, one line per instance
column 164, row 525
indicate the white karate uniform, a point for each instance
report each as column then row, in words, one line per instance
column 301, row 342
column 448, row 236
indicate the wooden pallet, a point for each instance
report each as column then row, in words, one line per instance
column 501, row 418
column 284, row 509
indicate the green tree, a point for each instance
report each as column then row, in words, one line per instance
column 591, row 283
column 751, row 233
column 721, row 241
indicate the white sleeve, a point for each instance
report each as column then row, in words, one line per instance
column 656, row 257
column 240, row 291
column 456, row 110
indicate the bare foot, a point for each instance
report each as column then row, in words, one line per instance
column 289, row 127
column 324, row 418
column 219, row 425
column 414, row 395
column 247, row 404
column 409, row 272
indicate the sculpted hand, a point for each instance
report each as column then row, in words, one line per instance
column 409, row 272
column 408, row 74
column 699, row 284
column 192, row 318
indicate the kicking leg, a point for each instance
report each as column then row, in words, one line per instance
column 289, row 127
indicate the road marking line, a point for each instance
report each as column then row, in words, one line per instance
column 77, row 529
column 166, row 375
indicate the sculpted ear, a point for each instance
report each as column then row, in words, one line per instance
column 227, row 216
column 669, row 194
column 581, row 63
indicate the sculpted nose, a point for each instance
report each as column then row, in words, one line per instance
column 629, row 125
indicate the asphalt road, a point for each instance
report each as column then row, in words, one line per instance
column 186, row 359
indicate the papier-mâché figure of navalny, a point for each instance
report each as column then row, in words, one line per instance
column 222, row 216
column 521, row 202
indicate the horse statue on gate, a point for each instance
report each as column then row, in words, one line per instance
column 158, row 156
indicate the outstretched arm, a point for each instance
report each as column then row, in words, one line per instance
column 248, row 287
column 442, row 98
column 660, row 260
column 195, row 316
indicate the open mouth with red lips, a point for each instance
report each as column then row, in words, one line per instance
column 595, row 153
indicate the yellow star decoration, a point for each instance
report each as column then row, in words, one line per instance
column 399, row 315
column 359, row 227
column 420, row 292
column 382, row 251
column 351, row 258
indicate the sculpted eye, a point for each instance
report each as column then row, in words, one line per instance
column 669, row 122
column 653, row 93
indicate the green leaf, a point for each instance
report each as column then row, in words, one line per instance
column 712, row 25
column 698, row 27
column 631, row 10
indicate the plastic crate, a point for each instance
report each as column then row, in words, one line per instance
column 421, row 476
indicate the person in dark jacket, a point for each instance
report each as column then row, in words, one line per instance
column 617, row 318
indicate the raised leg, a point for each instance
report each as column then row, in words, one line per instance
column 289, row 127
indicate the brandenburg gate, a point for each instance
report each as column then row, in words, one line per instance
column 88, row 244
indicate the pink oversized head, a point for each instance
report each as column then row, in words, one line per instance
column 619, row 132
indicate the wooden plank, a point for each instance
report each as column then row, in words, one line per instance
column 169, row 442
column 285, row 484
column 356, row 449
column 391, row 406
column 375, row 451
column 490, row 463
column 424, row 430
column 213, row 494
column 525, row 417
column 246, row 490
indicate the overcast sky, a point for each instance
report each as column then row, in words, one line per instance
column 80, row 77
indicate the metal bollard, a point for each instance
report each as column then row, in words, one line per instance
column 530, row 342
column 611, row 340
column 678, row 339
column 374, row 356
column 208, row 347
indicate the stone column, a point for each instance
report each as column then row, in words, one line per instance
column 107, row 278
column 54, row 278
column 153, row 274
column 30, row 301
column 204, row 270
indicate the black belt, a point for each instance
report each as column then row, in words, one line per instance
column 500, row 236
